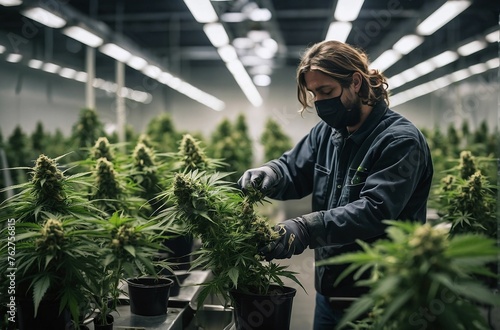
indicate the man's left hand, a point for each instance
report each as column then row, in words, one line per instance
column 294, row 239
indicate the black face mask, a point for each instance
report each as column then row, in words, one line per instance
column 335, row 114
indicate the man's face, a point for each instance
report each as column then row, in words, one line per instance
column 324, row 87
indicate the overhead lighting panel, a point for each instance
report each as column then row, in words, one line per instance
column 116, row 52
column 51, row 67
column 216, row 34
column 386, row 59
column 84, row 36
column 202, row 10
column 448, row 11
column 348, row 10
column 10, row 3
column 14, row 58
column 471, row 47
column 44, row 17
column 245, row 82
column 444, row 58
column 137, row 62
column 35, row 64
column 492, row 36
column 2, row 49
column 338, row 31
column 408, row 43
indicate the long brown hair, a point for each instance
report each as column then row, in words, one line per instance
column 340, row 61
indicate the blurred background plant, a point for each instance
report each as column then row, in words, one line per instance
column 421, row 278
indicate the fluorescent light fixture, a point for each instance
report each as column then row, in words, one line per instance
column 424, row 67
column 227, row 53
column 396, row 81
column 478, row 68
column 444, row 58
column 492, row 36
column 444, row 14
column 152, row 71
column 258, row 35
column 81, row 76
column 200, row 96
column 44, row 17
column 338, row 31
column 139, row 96
column 409, row 74
column 262, row 80
column 347, row 10
column 202, row 10
column 408, row 43
column 14, row 58
column 245, row 82
column 493, row 63
column 137, row 62
column 165, row 78
column 67, row 73
column 116, row 52
column 260, row 15
column 35, row 64
column 10, row 3
column 471, row 47
column 233, row 17
column 51, row 67
column 243, row 43
column 460, row 75
column 98, row 82
column 216, row 34
column 2, row 49
column 84, row 36
column 386, row 59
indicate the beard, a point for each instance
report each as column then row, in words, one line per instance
column 354, row 114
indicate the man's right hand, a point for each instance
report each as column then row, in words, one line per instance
column 262, row 178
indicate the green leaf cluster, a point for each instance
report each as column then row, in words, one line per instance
column 420, row 278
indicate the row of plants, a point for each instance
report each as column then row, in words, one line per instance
column 83, row 226
column 229, row 141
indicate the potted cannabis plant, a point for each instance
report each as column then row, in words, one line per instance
column 420, row 278
column 231, row 233
column 49, row 211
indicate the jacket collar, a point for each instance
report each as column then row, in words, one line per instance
column 373, row 119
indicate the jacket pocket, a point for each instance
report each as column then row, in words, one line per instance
column 356, row 180
column 321, row 179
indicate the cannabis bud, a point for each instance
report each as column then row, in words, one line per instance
column 428, row 242
column 192, row 154
column 467, row 164
column 47, row 180
column 102, row 149
column 107, row 184
column 52, row 235
column 143, row 156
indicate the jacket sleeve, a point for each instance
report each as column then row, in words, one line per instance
column 392, row 180
column 295, row 168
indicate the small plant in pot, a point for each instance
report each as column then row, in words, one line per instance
column 126, row 252
column 231, row 234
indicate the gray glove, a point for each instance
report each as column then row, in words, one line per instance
column 294, row 239
column 263, row 178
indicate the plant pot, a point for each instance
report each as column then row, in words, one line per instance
column 179, row 248
column 109, row 322
column 47, row 318
column 148, row 295
column 256, row 311
column 178, row 279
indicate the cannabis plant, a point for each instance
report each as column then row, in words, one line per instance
column 53, row 262
column 468, row 200
column 420, row 278
column 127, row 247
column 231, row 234
column 48, row 190
column 274, row 140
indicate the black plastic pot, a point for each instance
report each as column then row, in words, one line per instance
column 148, row 295
column 48, row 316
column 271, row 311
column 98, row 322
column 178, row 279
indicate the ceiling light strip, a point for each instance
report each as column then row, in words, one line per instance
column 431, row 86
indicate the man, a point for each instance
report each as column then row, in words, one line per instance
column 363, row 163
